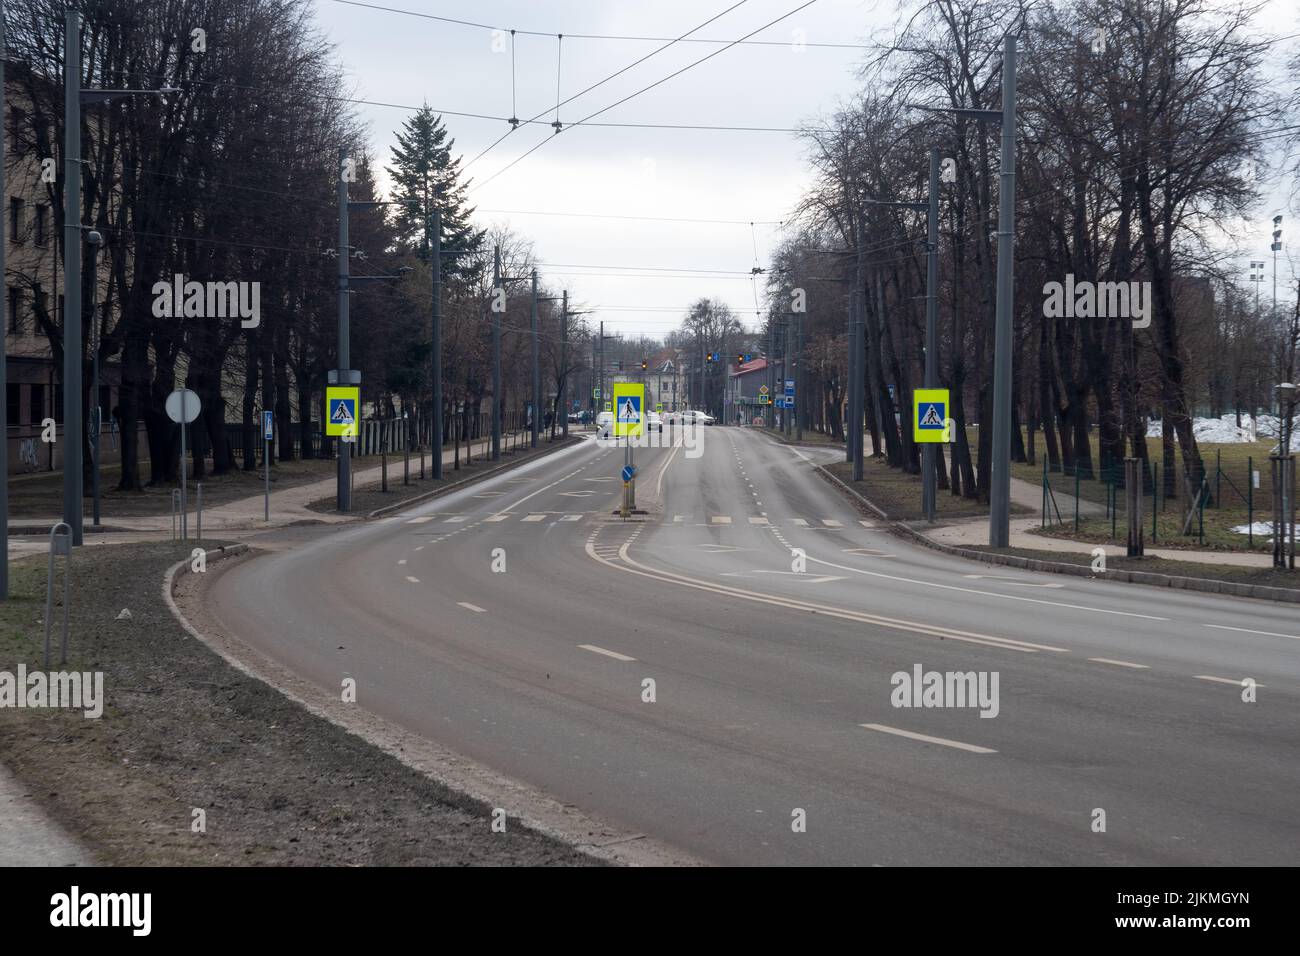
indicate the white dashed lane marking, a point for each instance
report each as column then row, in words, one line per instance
column 471, row 607
column 925, row 738
column 600, row 650
column 1107, row 660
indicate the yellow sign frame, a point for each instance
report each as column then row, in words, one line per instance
column 624, row 390
column 931, row 435
column 342, row 393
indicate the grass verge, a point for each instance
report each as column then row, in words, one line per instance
column 182, row 730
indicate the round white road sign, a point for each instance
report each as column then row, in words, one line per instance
column 183, row 400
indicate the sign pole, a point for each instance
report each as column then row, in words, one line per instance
column 267, row 426
column 184, row 510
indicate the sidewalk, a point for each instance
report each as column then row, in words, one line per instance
column 969, row 531
column 28, row 837
column 244, row 516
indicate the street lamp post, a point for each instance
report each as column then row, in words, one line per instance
column 73, row 97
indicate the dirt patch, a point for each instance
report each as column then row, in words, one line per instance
column 183, row 730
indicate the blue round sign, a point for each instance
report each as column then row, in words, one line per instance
column 628, row 472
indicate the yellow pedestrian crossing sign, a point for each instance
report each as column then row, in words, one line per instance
column 930, row 420
column 341, row 402
column 629, row 404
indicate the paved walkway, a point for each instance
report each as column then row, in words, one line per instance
column 27, row 836
column 968, row 531
column 242, row 517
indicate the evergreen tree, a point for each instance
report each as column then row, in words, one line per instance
column 424, row 171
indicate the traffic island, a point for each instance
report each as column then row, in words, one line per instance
column 195, row 762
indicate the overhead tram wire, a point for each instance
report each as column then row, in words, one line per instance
column 644, row 89
column 598, row 36
column 583, row 92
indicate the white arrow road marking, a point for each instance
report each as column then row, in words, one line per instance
column 801, row 575
column 600, row 650
column 413, row 580
column 928, row 739
column 1027, row 584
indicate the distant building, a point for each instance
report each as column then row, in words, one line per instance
column 33, row 298
column 744, row 384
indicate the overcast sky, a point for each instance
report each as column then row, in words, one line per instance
column 616, row 171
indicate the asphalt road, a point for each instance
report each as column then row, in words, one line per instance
column 773, row 685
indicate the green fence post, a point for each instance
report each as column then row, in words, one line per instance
column 1218, row 477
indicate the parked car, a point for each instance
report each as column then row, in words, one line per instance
column 604, row 424
column 654, row 421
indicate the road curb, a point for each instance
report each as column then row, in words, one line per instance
column 478, row 476
column 1150, row 578
column 558, row 820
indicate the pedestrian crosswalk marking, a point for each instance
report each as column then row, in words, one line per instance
column 534, row 518
column 571, row 518
column 497, row 518
column 454, row 519
column 755, row 519
column 420, row 520
column 801, row 522
column 831, row 523
column 722, row 519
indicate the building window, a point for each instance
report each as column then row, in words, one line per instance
column 17, row 121
column 38, row 227
column 36, row 407
column 15, row 301
column 15, row 219
column 12, row 399
column 40, row 302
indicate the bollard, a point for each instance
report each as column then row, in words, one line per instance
column 406, row 464
column 176, row 507
column 60, row 543
column 422, row 463
column 383, row 469
column 199, row 490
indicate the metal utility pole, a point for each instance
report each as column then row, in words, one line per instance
column 537, row 372
column 344, row 375
column 929, row 482
column 343, row 490
column 95, row 240
column 497, row 292
column 562, row 400
column 798, row 377
column 1000, row 486
column 770, row 411
column 601, row 374
column 4, row 360
column 857, row 376
column 72, row 345
column 435, row 269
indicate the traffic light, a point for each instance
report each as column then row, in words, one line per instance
column 740, row 359
column 620, row 365
column 644, row 365
column 709, row 357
